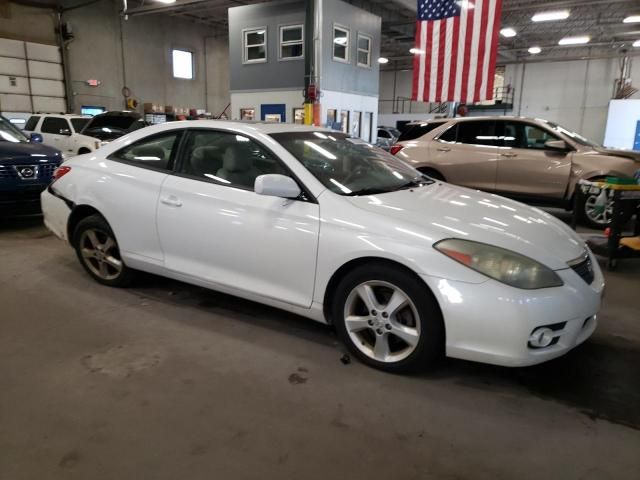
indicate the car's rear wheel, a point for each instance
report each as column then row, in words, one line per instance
column 388, row 319
column 98, row 252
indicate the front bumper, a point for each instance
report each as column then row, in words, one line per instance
column 56, row 213
column 21, row 201
column 492, row 322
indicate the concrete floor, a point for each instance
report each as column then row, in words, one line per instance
column 169, row 381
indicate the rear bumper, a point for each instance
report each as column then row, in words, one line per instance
column 56, row 211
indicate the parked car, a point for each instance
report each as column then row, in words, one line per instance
column 26, row 168
column 387, row 136
column 532, row 160
column 63, row 132
column 322, row 225
column 110, row 125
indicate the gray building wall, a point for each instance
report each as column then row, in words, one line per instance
column 348, row 77
column 145, row 67
column 274, row 74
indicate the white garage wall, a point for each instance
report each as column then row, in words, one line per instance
column 575, row 94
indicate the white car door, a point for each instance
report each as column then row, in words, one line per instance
column 56, row 132
column 127, row 194
column 214, row 227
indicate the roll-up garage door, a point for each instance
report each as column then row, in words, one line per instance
column 31, row 77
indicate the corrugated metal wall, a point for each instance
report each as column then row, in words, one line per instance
column 31, row 77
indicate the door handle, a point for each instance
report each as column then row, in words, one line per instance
column 509, row 155
column 443, row 149
column 172, row 201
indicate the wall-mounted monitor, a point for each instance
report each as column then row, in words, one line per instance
column 91, row 110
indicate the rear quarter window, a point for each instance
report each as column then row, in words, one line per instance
column 31, row 123
column 418, row 130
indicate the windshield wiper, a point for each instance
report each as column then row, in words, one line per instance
column 368, row 191
column 416, row 182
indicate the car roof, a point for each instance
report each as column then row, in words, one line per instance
column 257, row 127
column 480, row 117
column 61, row 115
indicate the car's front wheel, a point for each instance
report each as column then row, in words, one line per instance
column 98, row 252
column 388, row 318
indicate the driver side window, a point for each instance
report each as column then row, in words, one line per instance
column 524, row 135
column 227, row 159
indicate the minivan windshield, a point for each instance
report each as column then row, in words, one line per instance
column 350, row 166
column 9, row 133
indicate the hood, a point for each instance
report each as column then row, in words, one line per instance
column 441, row 210
column 630, row 154
column 12, row 153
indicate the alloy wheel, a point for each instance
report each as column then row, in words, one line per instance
column 100, row 254
column 598, row 214
column 382, row 321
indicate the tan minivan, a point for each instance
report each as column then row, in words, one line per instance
column 527, row 159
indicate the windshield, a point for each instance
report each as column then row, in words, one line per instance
column 79, row 123
column 9, row 133
column 349, row 166
column 576, row 137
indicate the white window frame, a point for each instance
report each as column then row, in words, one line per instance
column 347, row 45
column 245, row 47
column 282, row 43
column 358, row 50
column 173, row 67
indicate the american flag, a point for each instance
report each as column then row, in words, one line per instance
column 456, row 42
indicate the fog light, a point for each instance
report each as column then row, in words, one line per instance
column 541, row 338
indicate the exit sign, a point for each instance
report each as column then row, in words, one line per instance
column 93, row 82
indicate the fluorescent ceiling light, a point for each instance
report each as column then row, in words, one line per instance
column 632, row 19
column 416, row 51
column 574, row 40
column 508, row 32
column 166, row 1
column 636, row 43
column 383, row 60
column 550, row 16
column 534, row 50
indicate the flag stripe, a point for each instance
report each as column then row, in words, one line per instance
column 435, row 54
column 444, row 69
column 454, row 59
column 459, row 46
column 482, row 44
column 494, row 49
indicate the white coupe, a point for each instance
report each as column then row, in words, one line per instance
column 311, row 221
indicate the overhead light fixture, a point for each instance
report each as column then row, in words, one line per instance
column 383, row 60
column 508, row 32
column 550, row 16
column 636, row 43
column 534, row 50
column 416, row 51
column 574, row 40
column 632, row 19
column 166, row 1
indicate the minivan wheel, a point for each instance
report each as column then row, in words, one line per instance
column 387, row 319
column 98, row 252
column 597, row 218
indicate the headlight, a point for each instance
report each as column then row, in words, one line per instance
column 500, row 264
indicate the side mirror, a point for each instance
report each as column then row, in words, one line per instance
column 35, row 137
column 65, row 131
column 275, row 185
column 557, row 145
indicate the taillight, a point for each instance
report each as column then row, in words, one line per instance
column 60, row 172
column 395, row 149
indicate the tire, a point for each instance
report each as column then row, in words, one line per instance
column 589, row 217
column 396, row 340
column 97, row 250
